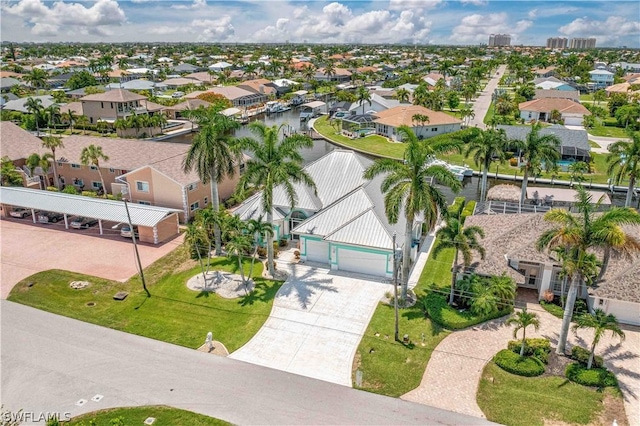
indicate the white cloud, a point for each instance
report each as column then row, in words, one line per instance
column 475, row 2
column 413, row 4
column 477, row 28
column 197, row 4
column 548, row 12
column 613, row 26
column 67, row 17
column 214, row 30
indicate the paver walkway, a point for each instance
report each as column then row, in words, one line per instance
column 454, row 370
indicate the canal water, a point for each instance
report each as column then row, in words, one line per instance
column 291, row 122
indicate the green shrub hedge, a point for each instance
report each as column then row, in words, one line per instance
column 553, row 309
column 597, row 377
column 538, row 347
column 450, row 318
column 582, row 356
column 515, row 364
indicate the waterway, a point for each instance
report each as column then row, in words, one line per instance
column 291, row 122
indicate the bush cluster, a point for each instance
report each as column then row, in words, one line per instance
column 515, row 364
column 597, row 377
column 539, row 348
column 436, row 307
column 582, row 356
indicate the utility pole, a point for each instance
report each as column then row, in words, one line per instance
column 395, row 288
column 135, row 247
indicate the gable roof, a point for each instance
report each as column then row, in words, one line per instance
column 20, row 104
column 549, row 104
column 114, row 95
column 569, row 137
column 402, row 115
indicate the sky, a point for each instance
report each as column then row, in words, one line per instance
column 458, row 22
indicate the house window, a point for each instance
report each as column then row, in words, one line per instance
column 144, row 203
column 112, row 170
column 434, row 129
column 142, row 186
column 101, row 104
column 78, row 182
column 94, row 168
column 195, row 206
column 96, row 185
column 192, row 187
column 75, row 166
column 111, row 105
column 206, row 201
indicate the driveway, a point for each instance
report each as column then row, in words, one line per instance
column 315, row 326
column 482, row 103
column 28, row 248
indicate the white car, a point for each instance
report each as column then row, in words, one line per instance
column 20, row 212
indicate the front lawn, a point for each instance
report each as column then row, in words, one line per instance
column 172, row 314
column 165, row 416
column 514, row 400
column 374, row 144
column 609, row 131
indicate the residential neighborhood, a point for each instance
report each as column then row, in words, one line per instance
column 439, row 224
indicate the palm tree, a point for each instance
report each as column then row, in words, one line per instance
column 91, row 156
column 37, row 78
column 259, row 230
column 330, row 70
column 363, row 95
column 53, row 114
column 69, row 117
column 521, row 320
column 463, row 239
column 467, row 114
column 624, row 161
column 601, row 322
column 35, row 161
column 52, row 144
column 237, row 245
column 408, row 185
column 577, row 234
column 486, row 147
column 402, row 95
column 274, row 163
column 9, row 174
column 83, row 121
column 34, row 106
column 213, row 154
column 536, row 149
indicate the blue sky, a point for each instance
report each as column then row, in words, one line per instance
column 612, row 23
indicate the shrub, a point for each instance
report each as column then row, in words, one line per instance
column 598, row 377
column 582, row 356
column 70, row 189
column 538, row 347
column 89, row 194
column 283, row 242
column 515, row 364
column 513, row 162
column 52, row 188
column 436, row 307
column 262, row 252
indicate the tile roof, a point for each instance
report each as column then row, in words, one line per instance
column 549, row 104
column 203, row 76
column 258, row 85
column 114, row 95
column 569, row 137
column 20, row 104
column 231, row 92
column 403, row 114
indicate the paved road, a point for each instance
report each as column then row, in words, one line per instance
column 315, row 326
column 482, row 103
column 49, row 362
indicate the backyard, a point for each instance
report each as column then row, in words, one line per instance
column 172, row 314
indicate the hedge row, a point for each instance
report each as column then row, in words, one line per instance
column 539, row 348
column 582, row 356
column 450, row 318
column 515, row 364
column 597, row 377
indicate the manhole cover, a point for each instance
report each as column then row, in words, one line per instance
column 91, row 304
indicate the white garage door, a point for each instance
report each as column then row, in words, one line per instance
column 625, row 312
column 364, row 263
column 317, row 251
column 573, row 121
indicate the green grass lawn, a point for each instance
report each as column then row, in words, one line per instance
column 609, row 131
column 490, row 113
column 374, row 144
column 593, row 144
column 165, row 416
column 514, row 400
column 172, row 314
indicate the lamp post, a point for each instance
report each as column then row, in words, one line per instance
column 135, row 245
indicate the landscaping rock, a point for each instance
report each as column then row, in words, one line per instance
column 78, row 285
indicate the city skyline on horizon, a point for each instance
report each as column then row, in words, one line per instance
column 434, row 22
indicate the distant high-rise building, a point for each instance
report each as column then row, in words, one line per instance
column 499, row 40
column 557, row 43
column 582, row 43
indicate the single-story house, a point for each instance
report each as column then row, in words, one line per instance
column 203, row 77
column 186, row 68
column 574, row 143
column 544, row 72
column 540, row 110
column 175, row 83
column 438, row 123
column 552, row 83
column 175, row 111
column 624, row 88
column 574, row 95
column 341, row 225
column 138, row 84
column 7, row 83
column 377, row 103
column 509, row 243
column 261, row 86
column 341, row 75
column 239, row 97
column 20, row 104
column 220, row 66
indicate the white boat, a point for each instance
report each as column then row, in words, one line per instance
column 274, row 107
column 464, row 170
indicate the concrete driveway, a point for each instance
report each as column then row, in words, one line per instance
column 315, row 326
column 28, row 248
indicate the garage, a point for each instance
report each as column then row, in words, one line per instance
column 362, row 262
column 573, row 120
column 316, row 250
column 625, row 312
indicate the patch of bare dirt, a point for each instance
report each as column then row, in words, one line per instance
column 613, row 410
column 557, row 364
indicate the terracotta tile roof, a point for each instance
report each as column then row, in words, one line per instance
column 204, row 77
column 189, row 104
column 76, row 107
column 549, row 104
column 114, row 95
column 402, row 114
column 258, row 86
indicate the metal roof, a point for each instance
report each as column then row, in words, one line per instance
column 78, row 205
column 365, row 230
column 313, row 104
column 333, row 217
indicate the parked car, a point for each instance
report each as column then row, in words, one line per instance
column 81, row 222
column 126, row 231
column 49, row 217
column 176, row 95
column 20, row 212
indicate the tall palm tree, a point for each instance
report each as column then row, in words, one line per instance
column 577, row 234
column 9, row 174
column 91, row 156
column 521, row 320
column 617, row 243
column 37, row 78
column 624, row 161
column 486, row 147
column 402, row 95
column 275, row 162
column 463, row 239
column 363, row 95
column 35, row 161
column 600, row 322
column 536, row 149
column 261, row 231
column 407, row 185
column 213, row 154
column 34, row 106
column 52, row 143
column 330, row 70
column 70, row 117
column 53, row 115
column 467, row 114
column 83, row 121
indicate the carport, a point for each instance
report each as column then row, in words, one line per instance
column 155, row 224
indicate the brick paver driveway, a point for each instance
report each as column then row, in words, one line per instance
column 28, row 248
column 316, row 324
column 454, row 370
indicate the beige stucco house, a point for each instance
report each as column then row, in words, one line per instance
column 388, row 121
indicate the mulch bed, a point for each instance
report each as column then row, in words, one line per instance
column 557, row 364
